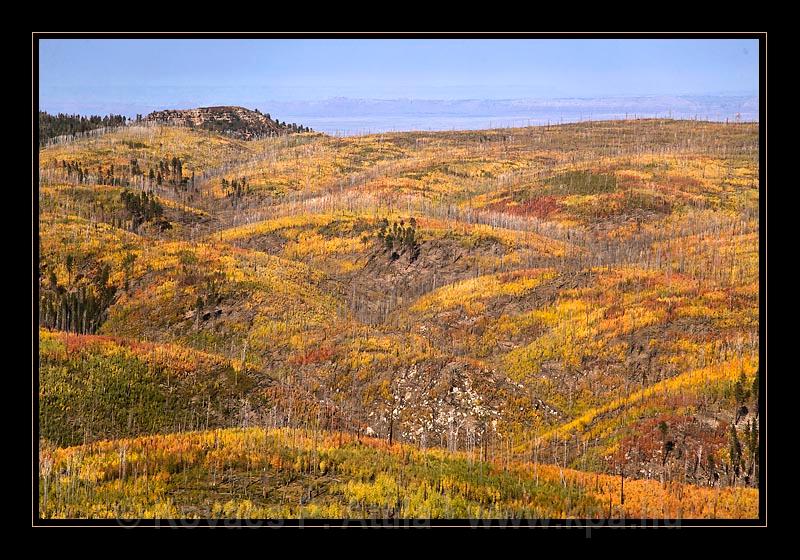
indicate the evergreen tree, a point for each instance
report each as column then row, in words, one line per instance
column 740, row 395
column 754, row 391
column 735, row 451
column 752, row 444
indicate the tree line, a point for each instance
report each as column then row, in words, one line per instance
column 52, row 126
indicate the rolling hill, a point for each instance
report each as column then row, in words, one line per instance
column 496, row 323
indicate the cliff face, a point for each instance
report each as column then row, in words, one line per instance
column 238, row 122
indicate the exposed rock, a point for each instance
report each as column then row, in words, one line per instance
column 238, row 122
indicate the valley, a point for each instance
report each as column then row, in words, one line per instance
column 540, row 322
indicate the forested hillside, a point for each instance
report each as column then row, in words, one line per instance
column 537, row 322
column 70, row 126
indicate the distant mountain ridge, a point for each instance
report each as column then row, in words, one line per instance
column 238, row 122
column 358, row 116
column 687, row 105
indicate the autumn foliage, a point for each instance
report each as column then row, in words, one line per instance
column 555, row 321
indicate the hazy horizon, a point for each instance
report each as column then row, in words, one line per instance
column 348, row 116
column 355, row 85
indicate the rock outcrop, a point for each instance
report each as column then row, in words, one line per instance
column 238, row 122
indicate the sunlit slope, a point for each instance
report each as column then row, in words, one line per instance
column 94, row 387
column 257, row 473
column 594, row 175
column 382, row 259
column 199, row 150
column 213, row 297
column 104, row 204
column 583, row 295
column 607, row 176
